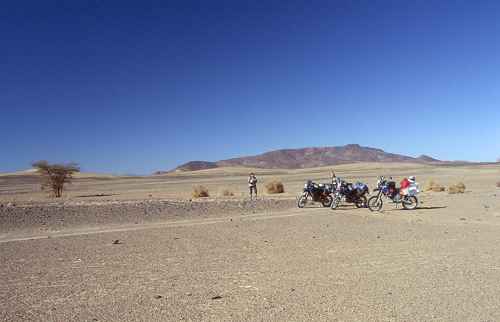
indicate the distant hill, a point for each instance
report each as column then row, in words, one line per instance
column 197, row 165
column 309, row 158
column 426, row 158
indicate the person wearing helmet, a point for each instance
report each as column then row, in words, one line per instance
column 405, row 184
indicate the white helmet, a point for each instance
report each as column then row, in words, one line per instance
column 411, row 178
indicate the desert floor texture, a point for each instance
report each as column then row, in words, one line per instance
column 141, row 249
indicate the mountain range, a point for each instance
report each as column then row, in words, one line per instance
column 309, row 158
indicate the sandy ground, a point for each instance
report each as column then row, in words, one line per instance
column 97, row 256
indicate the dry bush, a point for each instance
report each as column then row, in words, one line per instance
column 434, row 186
column 275, row 186
column 200, row 192
column 457, row 188
column 498, row 184
column 227, row 193
column 54, row 176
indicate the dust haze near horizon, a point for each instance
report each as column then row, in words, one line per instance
column 128, row 87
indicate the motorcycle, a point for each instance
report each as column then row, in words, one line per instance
column 350, row 193
column 316, row 192
column 387, row 188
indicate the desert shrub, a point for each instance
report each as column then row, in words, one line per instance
column 434, row 186
column 275, row 186
column 200, row 192
column 457, row 188
column 498, row 184
column 227, row 193
column 54, row 176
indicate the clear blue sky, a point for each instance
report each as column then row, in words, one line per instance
column 138, row 86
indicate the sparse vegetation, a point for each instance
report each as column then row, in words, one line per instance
column 434, row 186
column 275, row 186
column 456, row 188
column 54, row 176
column 498, row 184
column 200, row 192
column 227, row 193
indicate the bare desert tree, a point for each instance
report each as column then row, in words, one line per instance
column 54, row 176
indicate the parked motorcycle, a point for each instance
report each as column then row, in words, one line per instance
column 350, row 193
column 316, row 192
column 387, row 188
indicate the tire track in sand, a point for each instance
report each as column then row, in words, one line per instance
column 177, row 223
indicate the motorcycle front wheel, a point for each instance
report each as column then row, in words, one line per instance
column 410, row 203
column 375, row 203
column 361, row 202
column 302, row 201
column 327, row 202
column 335, row 202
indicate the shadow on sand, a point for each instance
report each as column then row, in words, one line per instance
column 97, row 195
column 418, row 208
column 348, row 207
column 431, row 208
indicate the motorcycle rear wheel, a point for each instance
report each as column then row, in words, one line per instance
column 375, row 203
column 361, row 202
column 327, row 202
column 410, row 203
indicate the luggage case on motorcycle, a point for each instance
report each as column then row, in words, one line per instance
column 413, row 190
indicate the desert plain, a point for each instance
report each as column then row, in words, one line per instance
column 118, row 248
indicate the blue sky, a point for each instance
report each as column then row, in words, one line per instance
column 138, row 86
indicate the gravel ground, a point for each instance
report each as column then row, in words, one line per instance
column 296, row 265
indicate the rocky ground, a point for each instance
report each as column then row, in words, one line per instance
column 41, row 217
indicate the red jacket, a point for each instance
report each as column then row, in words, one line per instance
column 405, row 183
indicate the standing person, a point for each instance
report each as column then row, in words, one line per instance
column 405, row 184
column 333, row 176
column 336, row 181
column 252, row 184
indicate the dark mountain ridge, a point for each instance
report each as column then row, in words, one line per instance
column 309, row 158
